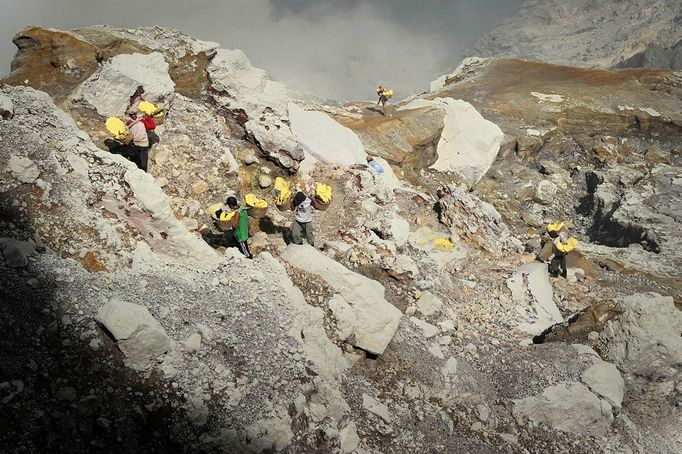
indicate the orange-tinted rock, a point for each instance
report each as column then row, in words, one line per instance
column 52, row 61
column 92, row 264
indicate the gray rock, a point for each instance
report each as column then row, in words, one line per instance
column 109, row 89
column 374, row 319
column 646, row 336
column 6, row 107
column 23, row 169
column 264, row 181
column 604, row 379
column 139, row 336
column 66, row 393
column 545, row 192
column 568, row 407
column 348, row 438
column 192, row 343
column 429, row 304
column 372, row 405
column 532, row 292
column 15, row 253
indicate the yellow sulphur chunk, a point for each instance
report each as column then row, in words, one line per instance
column 223, row 216
column 253, row 201
column 323, row 192
column 148, row 108
column 555, row 227
column 116, row 127
column 568, row 247
column 283, row 189
column 443, row 244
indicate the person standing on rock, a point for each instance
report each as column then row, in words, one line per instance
column 562, row 245
column 303, row 219
column 239, row 223
column 384, row 94
column 140, row 138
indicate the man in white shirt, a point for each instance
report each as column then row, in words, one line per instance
column 303, row 219
column 140, row 138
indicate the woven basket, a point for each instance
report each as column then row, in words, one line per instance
column 286, row 206
column 321, row 206
column 257, row 213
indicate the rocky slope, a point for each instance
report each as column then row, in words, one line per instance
column 597, row 34
column 420, row 323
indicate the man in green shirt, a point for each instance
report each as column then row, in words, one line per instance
column 239, row 223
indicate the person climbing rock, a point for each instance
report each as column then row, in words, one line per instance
column 140, row 138
column 239, row 223
column 562, row 245
column 303, row 206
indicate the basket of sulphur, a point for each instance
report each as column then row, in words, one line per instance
column 221, row 223
column 282, row 194
column 156, row 113
column 323, row 196
column 256, row 207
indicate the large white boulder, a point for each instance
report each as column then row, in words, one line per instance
column 245, row 89
column 140, row 337
column 373, row 319
column 533, row 294
column 109, row 89
column 468, row 144
column 324, row 140
column 568, row 407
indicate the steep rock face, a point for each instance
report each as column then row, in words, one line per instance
column 325, row 140
column 50, row 164
column 638, row 211
column 468, row 144
column 109, row 89
column 260, row 103
column 645, row 342
column 57, row 62
column 371, row 319
column 602, row 34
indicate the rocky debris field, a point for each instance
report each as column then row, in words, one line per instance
column 421, row 321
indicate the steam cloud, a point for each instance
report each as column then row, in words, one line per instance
column 334, row 49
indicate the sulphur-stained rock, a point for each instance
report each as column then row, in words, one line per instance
column 476, row 221
column 375, row 320
column 47, row 58
column 568, row 407
column 139, row 336
column 109, row 89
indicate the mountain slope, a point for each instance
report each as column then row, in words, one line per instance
column 592, row 33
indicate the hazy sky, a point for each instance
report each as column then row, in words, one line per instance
column 335, row 48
